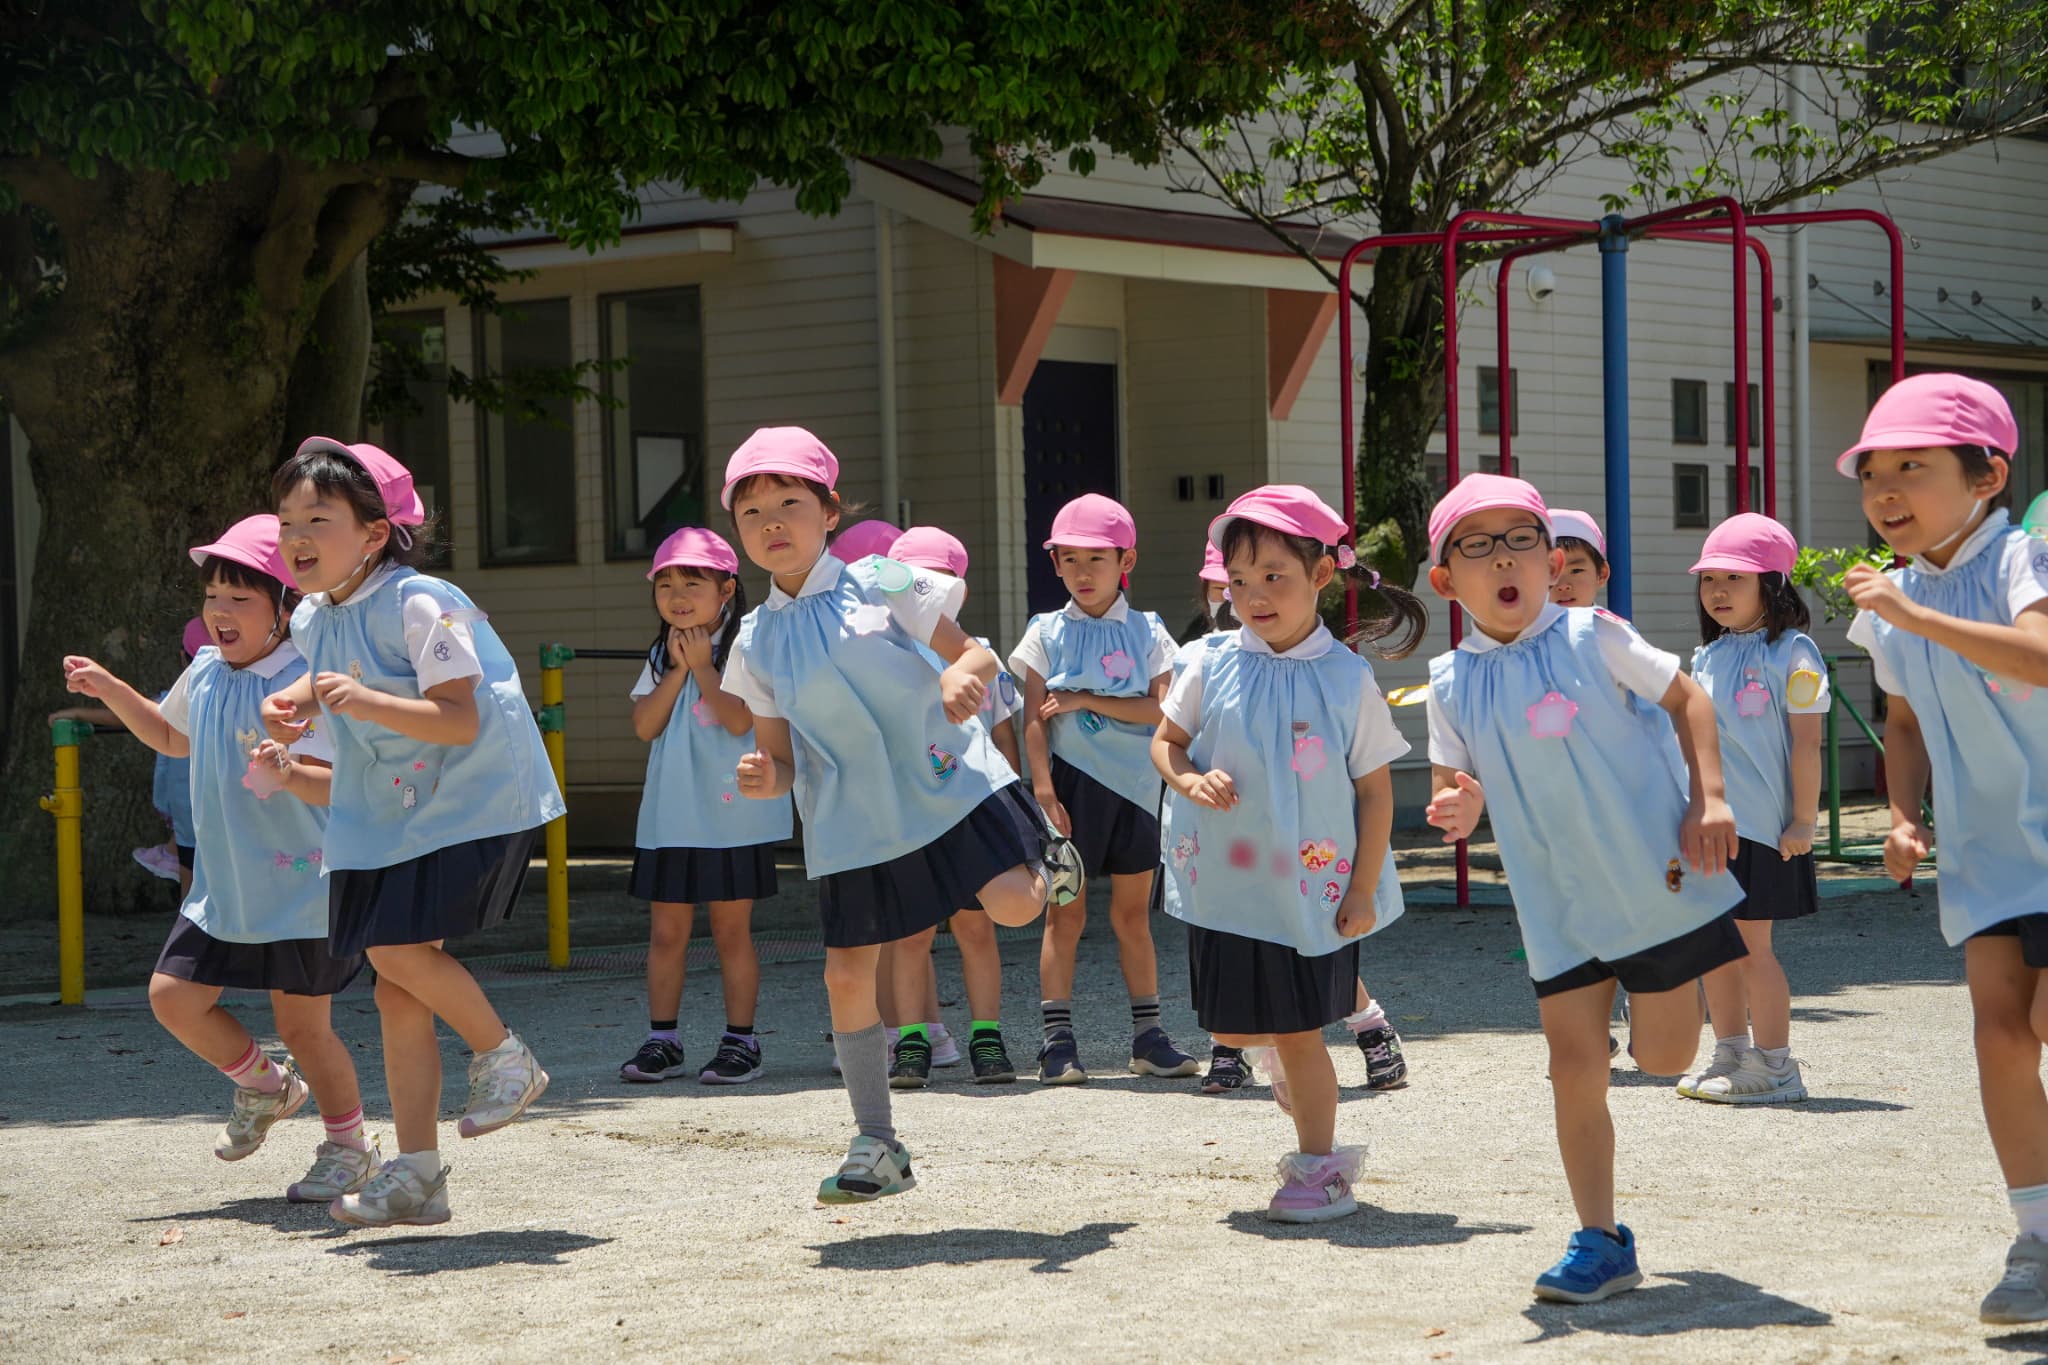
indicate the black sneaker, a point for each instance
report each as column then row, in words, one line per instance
column 912, row 1069
column 736, row 1063
column 657, row 1060
column 1059, row 1061
column 1385, row 1067
column 991, row 1060
column 1227, row 1071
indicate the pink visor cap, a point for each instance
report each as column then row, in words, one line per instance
column 693, row 547
column 196, row 636
column 1212, row 565
column 1567, row 521
column 1482, row 493
column 928, row 547
column 864, row 538
column 1290, row 509
column 1748, row 542
column 402, row 505
column 1936, row 410
column 791, row 452
column 252, row 543
column 1092, row 521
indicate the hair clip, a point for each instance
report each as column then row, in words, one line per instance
column 1346, row 557
column 1375, row 577
column 404, row 536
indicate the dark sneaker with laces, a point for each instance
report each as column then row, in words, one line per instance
column 912, row 1069
column 657, row 1060
column 990, row 1059
column 736, row 1062
column 1153, row 1054
column 1059, row 1061
column 1385, row 1066
column 1227, row 1071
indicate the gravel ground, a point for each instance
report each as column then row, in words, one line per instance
column 1120, row 1218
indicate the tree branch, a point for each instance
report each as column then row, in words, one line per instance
column 1897, row 158
column 1258, row 215
column 427, row 166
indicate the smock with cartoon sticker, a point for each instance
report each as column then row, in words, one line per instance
column 1004, row 697
column 692, row 796
column 1583, row 787
column 1294, row 731
column 1986, row 737
column 256, row 871
column 396, row 798
column 1116, row 654
column 1756, row 684
column 880, row 771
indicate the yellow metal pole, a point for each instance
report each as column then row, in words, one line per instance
column 67, row 803
column 553, row 715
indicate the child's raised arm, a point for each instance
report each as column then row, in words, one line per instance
column 144, row 719
column 1707, row 835
column 2018, row 651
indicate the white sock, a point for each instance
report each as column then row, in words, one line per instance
column 1737, row 1041
column 511, row 1044
column 2030, row 1207
column 1776, row 1056
column 936, row 1031
column 426, row 1165
column 1371, row 1017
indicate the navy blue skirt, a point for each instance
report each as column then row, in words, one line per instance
column 295, row 966
column 1114, row 837
column 907, row 895
column 449, row 893
column 1772, row 887
column 699, row 876
column 1247, row 985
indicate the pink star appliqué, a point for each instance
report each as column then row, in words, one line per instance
column 1308, row 756
column 1551, row 718
column 701, row 709
column 1118, row 666
column 1753, row 700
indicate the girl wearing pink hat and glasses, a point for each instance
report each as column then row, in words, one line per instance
column 439, row 792
column 1275, row 742
column 909, row 813
column 1771, row 697
column 696, row 842
column 256, row 916
column 1959, row 643
column 1094, row 673
column 1539, row 701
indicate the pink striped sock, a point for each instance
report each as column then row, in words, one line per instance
column 347, row 1129
column 254, row 1071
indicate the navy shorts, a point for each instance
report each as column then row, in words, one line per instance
column 1113, row 836
column 1664, row 967
column 2030, row 930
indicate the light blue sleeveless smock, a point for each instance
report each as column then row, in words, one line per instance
column 692, row 797
column 1097, row 654
column 1749, row 678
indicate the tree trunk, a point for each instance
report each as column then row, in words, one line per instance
column 154, row 398
column 324, row 396
column 1403, row 398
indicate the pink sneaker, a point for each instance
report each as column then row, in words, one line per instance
column 1316, row 1189
column 160, row 859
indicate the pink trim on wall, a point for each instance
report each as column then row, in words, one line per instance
column 1296, row 323
column 1027, row 304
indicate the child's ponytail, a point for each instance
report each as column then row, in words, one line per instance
column 1402, row 608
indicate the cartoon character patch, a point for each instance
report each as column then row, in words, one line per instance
column 944, row 764
column 1753, row 699
column 2008, row 689
column 1091, row 722
column 248, row 739
column 1318, row 854
column 1674, row 876
column 1333, row 895
column 355, row 669
column 1308, row 757
column 410, row 797
column 297, row 862
column 1551, row 718
column 1184, row 850
column 1118, row 666
column 1803, row 687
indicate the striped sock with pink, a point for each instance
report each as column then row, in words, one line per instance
column 254, row 1071
column 347, row 1129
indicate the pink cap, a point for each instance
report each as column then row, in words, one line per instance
column 196, row 636
column 1748, row 542
column 864, row 538
column 789, row 451
column 1567, row 521
column 696, row 548
column 1936, row 410
column 928, row 547
column 1092, row 521
column 402, row 503
column 1291, row 509
column 1212, row 565
column 1481, row 493
column 252, row 543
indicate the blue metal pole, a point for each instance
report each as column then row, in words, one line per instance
column 1614, row 407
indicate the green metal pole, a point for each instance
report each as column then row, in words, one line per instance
column 1834, row 774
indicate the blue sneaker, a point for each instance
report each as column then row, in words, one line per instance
column 1059, row 1061
column 1594, row 1267
column 1153, row 1054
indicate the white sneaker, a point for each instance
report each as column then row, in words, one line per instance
column 502, row 1083
column 1724, row 1061
column 1755, row 1081
column 945, row 1048
column 872, row 1169
column 256, row 1112
column 396, row 1195
column 2021, row 1295
column 336, row 1171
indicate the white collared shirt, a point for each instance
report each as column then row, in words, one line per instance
column 1030, row 651
column 1374, row 741
column 2026, row 582
column 176, row 706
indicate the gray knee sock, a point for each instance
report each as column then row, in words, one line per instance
column 864, row 1066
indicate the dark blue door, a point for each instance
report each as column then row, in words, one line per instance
column 1069, row 449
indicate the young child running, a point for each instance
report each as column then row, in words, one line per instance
column 440, row 788
column 256, row 917
column 696, row 842
column 1275, row 744
column 1770, row 696
column 1094, row 673
column 981, row 963
column 908, row 811
column 1585, row 558
column 1959, row 642
column 1535, row 701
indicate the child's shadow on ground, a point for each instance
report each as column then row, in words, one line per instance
column 2032, row 1343
column 1051, row 1252
column 277, row 1214
column 1375, row 1228
column 1698, row 1300
column 432, row 1255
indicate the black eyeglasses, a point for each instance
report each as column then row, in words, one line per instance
column 1479, row 546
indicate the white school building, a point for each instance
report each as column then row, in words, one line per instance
column 1112, row 335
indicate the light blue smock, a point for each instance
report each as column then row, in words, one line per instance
column 1110, row 658
column 170, row 791
column 1002, row 700
column 1750, row 679
column 692, row 797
